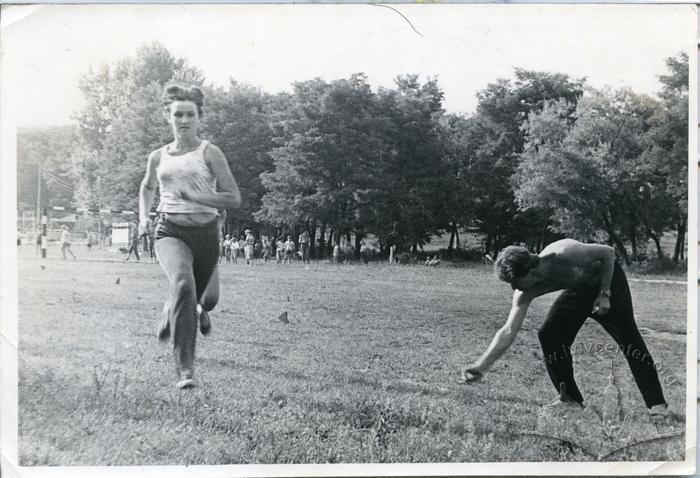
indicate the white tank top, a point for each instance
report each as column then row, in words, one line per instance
column 175, row 172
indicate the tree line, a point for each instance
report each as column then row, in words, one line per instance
column 543, row 156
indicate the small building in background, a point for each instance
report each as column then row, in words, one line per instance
column 120, row 233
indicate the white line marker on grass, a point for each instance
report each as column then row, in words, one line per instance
column 659, row 281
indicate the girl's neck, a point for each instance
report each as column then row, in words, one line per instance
column 185, row 143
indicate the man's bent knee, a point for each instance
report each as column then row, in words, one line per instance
column 547, row 337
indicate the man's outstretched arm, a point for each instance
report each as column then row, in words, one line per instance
column 501, row 340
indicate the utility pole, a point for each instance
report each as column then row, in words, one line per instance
column 38, row 199
column 99, row 212
column 44, row 240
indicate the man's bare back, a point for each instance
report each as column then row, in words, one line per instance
column 569, row 264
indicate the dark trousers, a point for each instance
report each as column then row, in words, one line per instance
column 133, row 247
column 188, row 255
column 567, row 315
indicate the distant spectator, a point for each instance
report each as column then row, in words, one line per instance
column 336, row 253
column 289, row 248
column 249, row 246
column 266, row 250
column 304, row 245
column 133, row 244
column 364, row 252
column 241, row 246
column 89, row 241
column 65, row 242
column 143, row 238
column 280, row 250
column 38, row 243
column 235, row 247
column 227, row 248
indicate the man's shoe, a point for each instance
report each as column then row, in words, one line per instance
column 659, row 411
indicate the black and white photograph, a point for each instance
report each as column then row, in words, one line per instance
column 349, row 239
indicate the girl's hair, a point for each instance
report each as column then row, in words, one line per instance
column 514, row 262
column 183, row 93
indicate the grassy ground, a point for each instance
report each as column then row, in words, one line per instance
column 365, row 372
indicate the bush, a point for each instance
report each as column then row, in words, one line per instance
column 406, row 258
column 475, row 254
column 659, row 266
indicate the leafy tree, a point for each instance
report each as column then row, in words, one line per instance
column 616, row 121
column 412, row 199
column 617, row 166
column 496, row 129
column 460, row 142
column 556, row 175
column 357, row 162
column 49, row 149
column 666, row 153
column 237, row 121
column 123, row 121
column 324, row 159
column 591, row 173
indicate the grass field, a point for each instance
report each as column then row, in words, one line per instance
column 367, row 370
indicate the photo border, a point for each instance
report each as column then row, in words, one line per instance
column 9, row 313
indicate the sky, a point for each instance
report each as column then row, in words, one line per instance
column 47, row 48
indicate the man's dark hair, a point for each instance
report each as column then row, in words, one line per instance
column 514, row 262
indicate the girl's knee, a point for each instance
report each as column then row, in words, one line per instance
column 183, row 286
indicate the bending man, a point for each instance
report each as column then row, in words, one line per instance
column 594, row 285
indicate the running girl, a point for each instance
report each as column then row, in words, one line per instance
column 194, row 180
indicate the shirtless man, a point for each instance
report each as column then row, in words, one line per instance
column 594, row 285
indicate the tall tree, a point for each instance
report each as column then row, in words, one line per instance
column 44, row 161
column 666, row 145
column 122, row 122
column 238, row 120
column 591, row 173
column 325, row 157
column 412, row 200
column 496, row 127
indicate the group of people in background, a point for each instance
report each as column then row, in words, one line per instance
column 230, row 248
column 142, row 242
